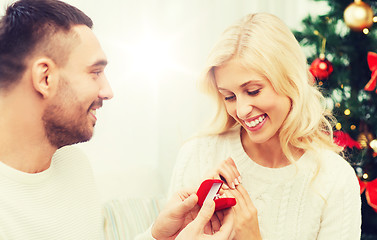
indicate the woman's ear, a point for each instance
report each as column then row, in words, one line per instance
column 43, row 76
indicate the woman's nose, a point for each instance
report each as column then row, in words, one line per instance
column 244, row 109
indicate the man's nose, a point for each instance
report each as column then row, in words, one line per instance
column 106, row 92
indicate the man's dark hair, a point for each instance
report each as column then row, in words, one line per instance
column 30, row 25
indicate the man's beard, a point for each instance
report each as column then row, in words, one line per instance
column 65, row 121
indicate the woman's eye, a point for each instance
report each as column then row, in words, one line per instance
column 229, row 98
column 253, row 93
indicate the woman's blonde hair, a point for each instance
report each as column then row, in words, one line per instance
column 263, row 43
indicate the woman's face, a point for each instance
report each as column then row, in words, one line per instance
column 252, row 101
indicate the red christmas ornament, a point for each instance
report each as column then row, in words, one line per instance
column 344, row 140
column 370, row 189
column 321, row 68
column 372, row 63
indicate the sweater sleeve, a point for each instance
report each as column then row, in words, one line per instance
column 341, row 218
column 147, row 235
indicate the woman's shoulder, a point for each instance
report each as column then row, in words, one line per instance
column 332, row 159
column 333, row 164
column 335, row 175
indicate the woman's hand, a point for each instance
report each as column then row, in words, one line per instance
column 246, row 224
column 227, row 172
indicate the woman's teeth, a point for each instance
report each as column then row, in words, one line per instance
column 255, row 122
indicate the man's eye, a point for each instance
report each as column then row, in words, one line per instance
column 97, row 73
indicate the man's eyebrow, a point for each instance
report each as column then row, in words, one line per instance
column 99, row 63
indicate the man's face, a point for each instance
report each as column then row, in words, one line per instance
column 70, row 116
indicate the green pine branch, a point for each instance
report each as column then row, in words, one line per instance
column 347, row 51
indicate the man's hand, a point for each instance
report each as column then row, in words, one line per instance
column 182, row 210
column 197, row 228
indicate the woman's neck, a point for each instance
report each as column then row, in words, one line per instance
column 268, row 154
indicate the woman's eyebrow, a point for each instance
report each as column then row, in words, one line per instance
column 243, row 85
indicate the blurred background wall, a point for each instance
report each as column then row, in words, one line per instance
column 156, row 50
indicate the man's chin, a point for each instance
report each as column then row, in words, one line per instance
column 71, row 140
column 71, row 143
column 85, row 137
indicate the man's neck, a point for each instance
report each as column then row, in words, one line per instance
column 27, row 157
column 23, row 144
column 24, row 150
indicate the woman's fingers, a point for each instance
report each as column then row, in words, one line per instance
column 237, row 176
column 240, row 201
column 229, row 173
column 246, row 196
column 227, row 176
column 226, row 171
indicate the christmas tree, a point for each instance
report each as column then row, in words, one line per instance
column 340, row 46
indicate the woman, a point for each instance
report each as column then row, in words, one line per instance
column 271, row 130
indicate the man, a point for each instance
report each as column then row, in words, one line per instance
column 51, row 84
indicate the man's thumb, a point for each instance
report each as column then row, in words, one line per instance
column 206, row 212
column 187, row 205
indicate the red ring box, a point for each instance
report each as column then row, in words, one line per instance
column 209, row 189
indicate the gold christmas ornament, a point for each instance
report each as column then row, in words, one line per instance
column 363, row 140
column 358, row 16
column 365, row 137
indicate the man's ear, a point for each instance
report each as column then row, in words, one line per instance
column 44, row 76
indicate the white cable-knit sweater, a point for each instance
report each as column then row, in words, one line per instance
column 290, row 206
column 60, row 203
